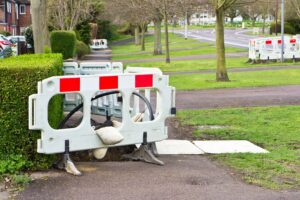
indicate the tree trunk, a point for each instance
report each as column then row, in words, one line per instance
column 39, row 25
column 188, row 19
column 221, row 74
column 137, row 35
column 143, row 37
column 157, row 37
column 264, row 25
column 253, row 21
column 167, row 39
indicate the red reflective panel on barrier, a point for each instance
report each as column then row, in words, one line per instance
column 268, row 41
column 108, row 82
column 69, row 84
column 143, row 81
column 279, row 42
column 292, row 41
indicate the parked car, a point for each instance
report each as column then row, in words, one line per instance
column 4, row 42
column 6, row 52
column 6, row 47
column 18, row 38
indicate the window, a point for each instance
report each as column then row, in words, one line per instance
column 22, row 9
column 8, row 7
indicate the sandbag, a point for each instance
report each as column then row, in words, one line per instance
column 99, row 153
column 109, row 135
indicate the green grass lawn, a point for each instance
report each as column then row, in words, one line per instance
column 120, row 37
column 238, row 79
column 273, row 128
column 178, row 47
column 205, row 64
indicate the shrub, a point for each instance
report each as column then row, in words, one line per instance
column 29, row 36
column 84, row 31
column 14, row 163
column 47, row 49
column 295, row 23
column 20, row 180
column 5, row 33
column 106, row 30
column 82, row 49
column 63, row 42
column 288, row 28
column 19, row 77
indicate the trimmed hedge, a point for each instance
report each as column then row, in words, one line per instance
column 19, row 77
column 63, row 42
column 84, row 32
column 82, row 49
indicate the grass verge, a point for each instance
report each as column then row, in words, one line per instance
column 206, row 64
column 178, row 47
column 274, row 128
column 238, row 79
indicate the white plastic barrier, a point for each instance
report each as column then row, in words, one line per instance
column 117, row 67
column 71, row 68
column 71, row 100
column 99, row 44
column 90, row 68
column 147, row 92
column 292, row 50
column 107, row 104
column 84, row 137
column 270, row 48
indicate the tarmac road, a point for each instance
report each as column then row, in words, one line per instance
column 233, row 37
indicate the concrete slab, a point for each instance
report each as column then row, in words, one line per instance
column 177, row 147
column 228, row 146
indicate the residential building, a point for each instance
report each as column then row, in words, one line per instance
column 14, row 16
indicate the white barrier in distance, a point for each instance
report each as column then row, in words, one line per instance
column 99, row 44
column 270, row 48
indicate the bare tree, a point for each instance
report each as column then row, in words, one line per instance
column 66, row 14
column 220, row 7
column 296, row 5
column 157, row 19
column 136, row 12
column 232, row 13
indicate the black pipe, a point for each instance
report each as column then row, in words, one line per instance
column 70, row 114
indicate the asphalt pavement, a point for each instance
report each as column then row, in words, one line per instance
column 182, row 178
column 233, row 37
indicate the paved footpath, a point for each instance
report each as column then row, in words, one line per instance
column 182, row 177
column 238, row 97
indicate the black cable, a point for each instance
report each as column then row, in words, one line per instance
column 70, row 114
column 147, row 103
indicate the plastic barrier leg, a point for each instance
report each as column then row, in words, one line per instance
column 146, row 152
column 66, row 162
